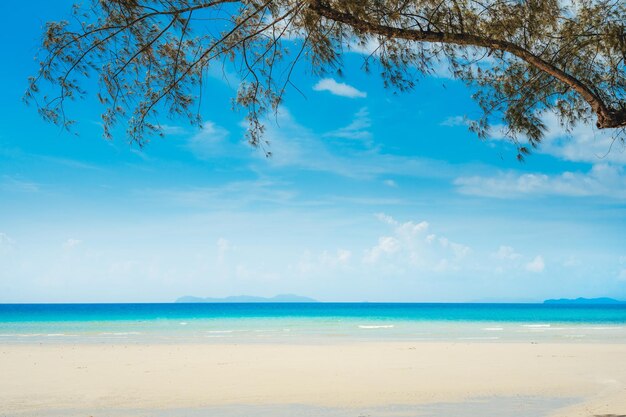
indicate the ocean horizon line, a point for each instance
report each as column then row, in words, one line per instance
column 569, row 302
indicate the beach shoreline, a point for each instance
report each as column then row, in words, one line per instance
column 43, row 379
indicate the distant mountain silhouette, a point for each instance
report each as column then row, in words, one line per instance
column 601, row 300
column 280, row 298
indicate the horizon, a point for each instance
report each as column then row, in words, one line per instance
column 315, row 301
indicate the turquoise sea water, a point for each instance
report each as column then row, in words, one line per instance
column 309, row 322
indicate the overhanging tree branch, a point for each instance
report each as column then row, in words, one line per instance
column 607, row 117
column 521, row 58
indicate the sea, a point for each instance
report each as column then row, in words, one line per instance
column 310, row 323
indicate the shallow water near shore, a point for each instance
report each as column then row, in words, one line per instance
column 309, row 322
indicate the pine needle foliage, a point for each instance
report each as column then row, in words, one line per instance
column 523, row 58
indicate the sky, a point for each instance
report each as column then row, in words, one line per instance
column 370, row 195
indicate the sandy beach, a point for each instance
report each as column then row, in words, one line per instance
column 90, row 379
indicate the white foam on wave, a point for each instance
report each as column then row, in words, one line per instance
column 183, row 323
column 493, row 329
column 118, row 333
column 385, row 326
column 60, row 335
column 220, row 331
column 602, row 328
column 536, row 326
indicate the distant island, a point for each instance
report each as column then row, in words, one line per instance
column 280, row 298
column 601, row 300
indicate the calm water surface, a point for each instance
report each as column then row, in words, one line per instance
column 307, row 322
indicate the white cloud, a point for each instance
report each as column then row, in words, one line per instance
column 343, row 255
column 338, row 89
column 386, row 219
column 571, row 262
column 365, row 46
column 15, row 184
column 294, row 145
column 506, row 253
column 391, row 183
column 72, row 243
column 223, row 247
column 371, row 46
column 230, row 195
column 226, row 74
column 536, row 265
column 358, row 129
column 68, row 162
column 173, row 130
column 459, row 251
column 602, row 180
column 386, row 245
column 5, row 239
column 496, row 131
column 210, row 142
column 413, row 246
column 585, row 143
column 455, row 121
column 6, row 244
column 338, row 258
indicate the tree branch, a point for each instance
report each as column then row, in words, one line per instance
column 606, row 117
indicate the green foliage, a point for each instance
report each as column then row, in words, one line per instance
column 522, row 57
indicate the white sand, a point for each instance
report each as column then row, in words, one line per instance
column 38, row 379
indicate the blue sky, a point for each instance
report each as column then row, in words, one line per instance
column 370, row 195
